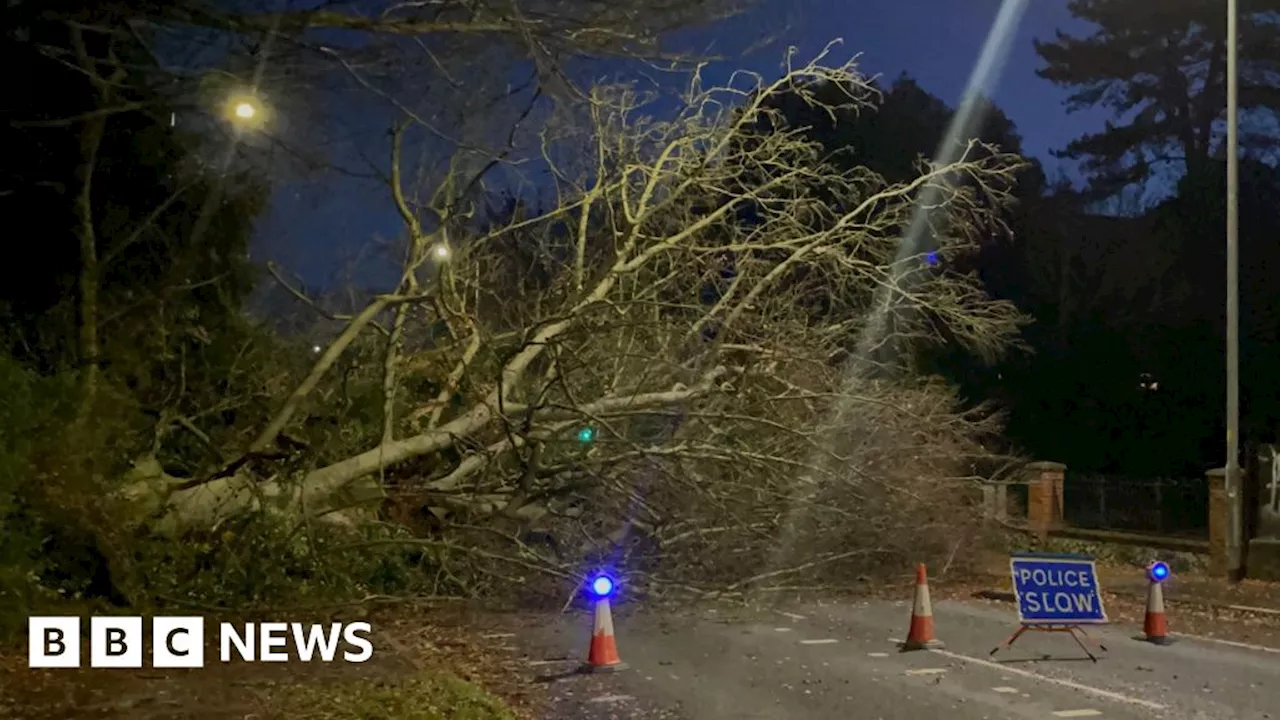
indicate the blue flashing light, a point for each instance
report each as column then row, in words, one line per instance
column 931, row 258
column 1158, row 572
column 602, row 586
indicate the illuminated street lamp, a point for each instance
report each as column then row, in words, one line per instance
column 441, row 251
column 244, row 110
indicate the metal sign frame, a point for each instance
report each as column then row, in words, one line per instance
column 1071, row 626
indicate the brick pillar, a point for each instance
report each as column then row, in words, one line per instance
column 1219, row 521
column 1045, row 485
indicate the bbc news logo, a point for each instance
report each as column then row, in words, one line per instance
column 179, row 642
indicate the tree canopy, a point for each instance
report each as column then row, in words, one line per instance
column 1161, row 72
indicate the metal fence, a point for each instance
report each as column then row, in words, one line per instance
column 1165, row 506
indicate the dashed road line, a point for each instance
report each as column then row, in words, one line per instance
column 1077, row 713
column 824, row 641
column 1005, row 689
column 793, row 616
column 1007, row 669
column 926, row 671
column 782, row 629
column 878, row 655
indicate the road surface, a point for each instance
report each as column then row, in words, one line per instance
column 841, row 662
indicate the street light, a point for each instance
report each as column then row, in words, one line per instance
column 441, row 251
column 1235, row 560
column 245, row 110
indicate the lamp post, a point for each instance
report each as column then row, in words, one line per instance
column 1235, row 560
column 244, row 111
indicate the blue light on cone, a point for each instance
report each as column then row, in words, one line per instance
column 602, row 586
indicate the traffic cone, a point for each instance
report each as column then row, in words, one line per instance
column 1156, row 625
column 603, row 656
column 920, row 636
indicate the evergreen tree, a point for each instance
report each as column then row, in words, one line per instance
column 1160, row 68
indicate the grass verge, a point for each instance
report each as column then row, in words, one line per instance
column 428, row 695
column 427, row 665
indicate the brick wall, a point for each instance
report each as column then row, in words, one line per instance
column 1045, row 483
column 1219, row 521
column 1045, row 489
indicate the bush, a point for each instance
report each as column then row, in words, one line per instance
column 63, row 538
column 33, row 408
column 261, row 560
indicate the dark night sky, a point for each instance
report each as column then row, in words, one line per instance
column 314, row 231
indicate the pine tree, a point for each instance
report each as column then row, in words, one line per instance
column 1160, row 68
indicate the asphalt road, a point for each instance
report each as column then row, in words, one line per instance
column 841, row 662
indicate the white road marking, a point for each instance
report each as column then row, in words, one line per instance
column 927, row 671
column 611, row 698
column 824, row 641
column 895, row 641
column 1006, row 689
column 782, row 629
column 793, row 616
column 877, row 654
column 1252, row 609
column 1232, row 643
column 1108, row 694
column 536, row 663
column 1077, row 713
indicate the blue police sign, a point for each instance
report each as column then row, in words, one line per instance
column 1057, row 589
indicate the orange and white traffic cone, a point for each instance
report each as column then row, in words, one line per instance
column 1156, row 625
column 920, row 636
column 603, row 656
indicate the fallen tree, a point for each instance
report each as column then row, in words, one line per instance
column 667, row 362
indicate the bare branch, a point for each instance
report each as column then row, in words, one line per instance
column 674, row 341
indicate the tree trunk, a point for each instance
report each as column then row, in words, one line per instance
column 87, row 282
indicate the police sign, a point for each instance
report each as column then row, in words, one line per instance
column 1056, row 589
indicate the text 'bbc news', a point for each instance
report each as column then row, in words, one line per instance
column 179, row 642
